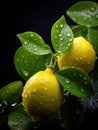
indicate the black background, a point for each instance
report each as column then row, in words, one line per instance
column 37, row 16
column 20, row 16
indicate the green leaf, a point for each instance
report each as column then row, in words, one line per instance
column 11, row 93
column 93, row 37
column 76, row 81
column 61, row 36
column 19, row 119
column 84, row 13
column 79, row 30
column 28, row 64
column 34, row 43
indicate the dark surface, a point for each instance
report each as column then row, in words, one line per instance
column 16, row 17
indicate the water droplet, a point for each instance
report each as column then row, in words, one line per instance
column 22, row 56
column 92, row 9
column 70, row 39
column 68, row 44
column 85, row 18
column 28, row 92
column 61, row 38
column 60, row 35
column 81, row 58
column 96, row 57
column 77, row 59
column 56, row 98
column 56, row 26
column 55, row 36
column 36, row 57
column 61, row 25
column 40, row 103
column 74, row 74
column 59, row 51
column 81, row 75
column 67, row 81
column 96, row 16
column 75, row 12
column 84, row 56
column 25, row 43
column 34, row 46
column 35, row 39
column 40, row 38
column 17, row 60
column 82, row 90
column 14, row 104
column 15, row 124
column 35, row 49
column 61, row 45
column 31, row 35
column 47, row 63
column 34, row 90
column 68, row 34
column 25, row 72
column 52, row 100
column 25, row 96
column 67, row 86
column 25, row 61
column 45, row 88
column 84, row 78
column 88, row 63
column 57, row 31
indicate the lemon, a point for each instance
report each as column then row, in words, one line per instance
column 81, row 55
column 42, row 95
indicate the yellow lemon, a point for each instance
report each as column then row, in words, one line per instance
column 42, row 95
column 81, row 55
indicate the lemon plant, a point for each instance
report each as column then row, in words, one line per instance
column 54, row 95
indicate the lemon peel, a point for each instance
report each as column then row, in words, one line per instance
column 42, row 95
column 81, row 55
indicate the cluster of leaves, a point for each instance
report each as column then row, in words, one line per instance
column 34, row 54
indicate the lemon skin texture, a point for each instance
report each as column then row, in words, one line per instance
column 42, row 95
column 81, row 55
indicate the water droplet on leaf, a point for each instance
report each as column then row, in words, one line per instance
column 92, row 9
column 61, row 38
column 31, row 35
column 67, row 81
column 96, row 16
column 60, row 35
column 25, row 72
column 25, row 43
column 68, row 34
column 82, row 90
column 61, row 25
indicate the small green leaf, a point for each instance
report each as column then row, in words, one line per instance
column 93, row 37
column 19, row 119
column 34, row 43
column 76, row 81
column 84, row 13
column 61, row 36
column 11, row 93
column 28, row 64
